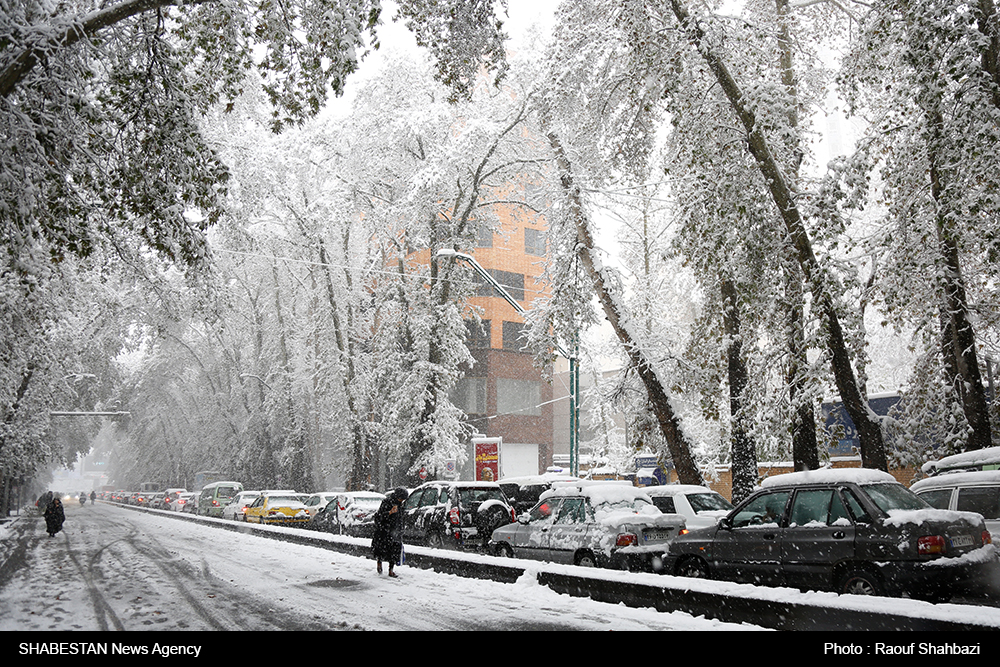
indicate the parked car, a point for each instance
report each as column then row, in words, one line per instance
column 170, row 498
column 317, row 501
column 595, row 524
column 524, row 492
column 237, row 509
column 278, row 508
column 455, row 514
column 350, row 513
column 214, row 497
column 853, row 531
column 968, row 482
column 700, row 506
column 186, row 502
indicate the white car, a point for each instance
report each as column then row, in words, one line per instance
column 349, row 513
column 317, row 501
column 700, row 506
column 963, row 482
column 602, row 524
column 170, row 498
column 237, row 509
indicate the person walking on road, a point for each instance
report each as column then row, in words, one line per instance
column 387, row 541
column 54, row 516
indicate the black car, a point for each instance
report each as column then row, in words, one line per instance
column 455, row 514
column 849, row 531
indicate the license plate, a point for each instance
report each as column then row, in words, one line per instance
column 962, row 541
column 658, row 535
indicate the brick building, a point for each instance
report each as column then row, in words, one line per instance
column 504, row 394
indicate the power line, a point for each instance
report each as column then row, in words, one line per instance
column 357, row 270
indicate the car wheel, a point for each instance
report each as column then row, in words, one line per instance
column 585, row 559
column 503, row 550
column 692, row 567
column 859, row 582
column 434, row 540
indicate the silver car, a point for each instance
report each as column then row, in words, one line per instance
column 596, row 524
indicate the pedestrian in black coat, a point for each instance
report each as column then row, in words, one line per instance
column 387, row 541
column 54, row 516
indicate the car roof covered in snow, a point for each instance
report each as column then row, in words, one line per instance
column 991, row 477
column 829, row 476
column 598, row 491
column 975, row 458
column 676, row 489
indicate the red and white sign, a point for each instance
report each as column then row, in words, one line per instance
column 487, row 459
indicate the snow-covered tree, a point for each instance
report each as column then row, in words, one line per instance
column 924, row 77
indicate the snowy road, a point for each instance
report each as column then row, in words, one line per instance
column 115, row 569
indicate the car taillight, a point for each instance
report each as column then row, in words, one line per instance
column 683, row 531
column 626, row 540
column 987, row 538
column 453, row 516
column 931, row 544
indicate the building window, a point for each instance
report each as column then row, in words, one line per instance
column 519, row 397
column 477, row 336
column 484, row 236
column 534, row 242
column 513, row 283
column 514, row 336
column 469, row 396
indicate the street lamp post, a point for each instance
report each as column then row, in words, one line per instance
column 574, row 371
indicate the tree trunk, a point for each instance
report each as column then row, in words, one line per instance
column 677, row 443
column 958, row 331
column 744, row 450
column 805, row 450
column 869, row 429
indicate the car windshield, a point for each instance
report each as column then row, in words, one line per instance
column 894, row 497
column 708, row 502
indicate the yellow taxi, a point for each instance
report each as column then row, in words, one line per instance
column 281, row 507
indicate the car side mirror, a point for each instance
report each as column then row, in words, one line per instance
column 725, row 523
column 524, row 518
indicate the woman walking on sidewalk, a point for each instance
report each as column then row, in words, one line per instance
column 387, row 542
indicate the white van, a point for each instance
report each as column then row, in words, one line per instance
column 969, row 482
